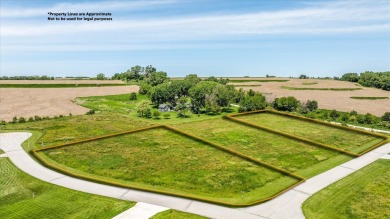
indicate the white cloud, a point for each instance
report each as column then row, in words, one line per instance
column 323, row 18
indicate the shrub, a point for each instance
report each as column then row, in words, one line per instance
column 311, row 105
column 3, row 122
column 14, row 120
column 133, row 96
column 60, row 116
column 31, row 119
column 70, row 114
column 167, row 115
column 148, row 113
column 286, row 104
column 334, row 114
column 156, row 114
column 22, row 120
column 250, row 103
column 386, row 117
column 91, row 112
column 37, row 118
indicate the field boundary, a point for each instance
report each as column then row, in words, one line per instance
column 43, row 160
column 385, row 138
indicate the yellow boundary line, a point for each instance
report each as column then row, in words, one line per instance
column 226, row 150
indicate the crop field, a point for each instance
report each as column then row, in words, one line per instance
column 23, row 196
column 363, row 194
column 343, row 139
column 330, row 94
column 161, row 160
column 28, row 102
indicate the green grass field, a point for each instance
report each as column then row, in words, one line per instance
column 173, row 214
column 344, row 139
column 57, row 85
column 291, row 155
column 23, row 196
column 364, row 194
column 232, row 80
column 166, row 161
column 164, row 154
column 72, row 128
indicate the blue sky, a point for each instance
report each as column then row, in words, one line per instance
column 220, row 38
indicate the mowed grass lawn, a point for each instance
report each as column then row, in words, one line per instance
column 23, row 196
column 294, row 156
column 363, row 194
column 344, row 139
column 166, row 161
column 75, row 128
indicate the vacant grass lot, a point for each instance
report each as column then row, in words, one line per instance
column 166, row 161
column 173, row 214
column 23, row 196
column 72, row 128
column 294, row 156
column 364, row 194
column 344, row 139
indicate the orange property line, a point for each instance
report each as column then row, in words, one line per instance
column 108, row 182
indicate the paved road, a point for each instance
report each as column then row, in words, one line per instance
column 287, row 205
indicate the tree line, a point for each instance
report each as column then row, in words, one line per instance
column 379, row 80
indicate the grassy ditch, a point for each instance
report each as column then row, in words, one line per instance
column 363, row 194
column 314, row 88
column 163, row 161
column 23, row 196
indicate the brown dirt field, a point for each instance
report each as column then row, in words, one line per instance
column 61, row 82
column 51, row 102
column 339, row 100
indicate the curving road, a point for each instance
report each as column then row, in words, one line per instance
column 287, row 205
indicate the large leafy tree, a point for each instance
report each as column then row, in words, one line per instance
column 251, row 103
column 198, row 94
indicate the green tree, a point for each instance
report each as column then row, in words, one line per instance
column 303, row 77
column 144, row 88
column 156, row 114
column 198, row 94
column 353, row 77
column 156, row 78
column 143, row 108
column 386, row 117
column 311, row 105
column 101, row 76
column 211, row 105
column 149, row 70
column 162, row 93
column 251, row 103
column 286, row 103
column 182, row 107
